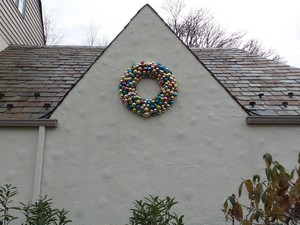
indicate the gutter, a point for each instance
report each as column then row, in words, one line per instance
column 273, row 120
column 39, row 164
column 28, row 123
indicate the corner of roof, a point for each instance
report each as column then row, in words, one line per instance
column 147, row 5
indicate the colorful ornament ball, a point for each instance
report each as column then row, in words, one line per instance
column 143, row 106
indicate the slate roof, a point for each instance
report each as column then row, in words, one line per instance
column 34, row 80
column 262, row 87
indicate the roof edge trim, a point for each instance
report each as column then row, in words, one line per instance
column 273, row 120
column 28, row 123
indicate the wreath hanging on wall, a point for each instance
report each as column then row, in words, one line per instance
column 143, row 106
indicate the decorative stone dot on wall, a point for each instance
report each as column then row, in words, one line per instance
column 143, row 106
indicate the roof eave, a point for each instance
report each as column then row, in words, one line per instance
column 273, row 120
column 28, row 122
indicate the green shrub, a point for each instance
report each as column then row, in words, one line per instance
column 155, row 211
column 7, row 192
column 39, row 213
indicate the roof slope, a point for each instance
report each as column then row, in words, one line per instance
column 274, row 88
column 34, row 80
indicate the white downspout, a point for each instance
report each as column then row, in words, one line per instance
column 39, row 164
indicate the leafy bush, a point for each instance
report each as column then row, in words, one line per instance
column 38, row 213
column 7, row 192
column 275, row 200
column 155, row 211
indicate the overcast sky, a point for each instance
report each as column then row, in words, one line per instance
column 275, row 22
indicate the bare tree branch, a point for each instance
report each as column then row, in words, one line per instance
column 92, row 36
column 254, row 46
column 52, row 35
column 198, row 29
column 174, row 8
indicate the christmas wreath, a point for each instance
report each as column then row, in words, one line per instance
column 143, row 106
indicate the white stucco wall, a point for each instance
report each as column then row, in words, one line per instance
column 102, row 157
column 3, row 44
column 17, row 155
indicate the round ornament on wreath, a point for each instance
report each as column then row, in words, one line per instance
column 148, row 107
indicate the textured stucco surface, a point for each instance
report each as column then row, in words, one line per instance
column 17, row 153
column 102, row 157
column 3, row 44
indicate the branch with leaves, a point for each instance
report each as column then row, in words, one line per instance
column 155, row 211
column 39, row 213
column 275, row 200
column 7, row 192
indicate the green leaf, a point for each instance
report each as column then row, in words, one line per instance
column 232, row 200
column 256, row 178
column 280, row 168
column 249, row 186
column 274, row 173
column 268, row 159
column 259, row 188
column 256, row 198
column 246, row 222
column 257, row 216
column 269, row 174
column 225, row 205
column 264, row 196
column 240, row 189
column 237, row 211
